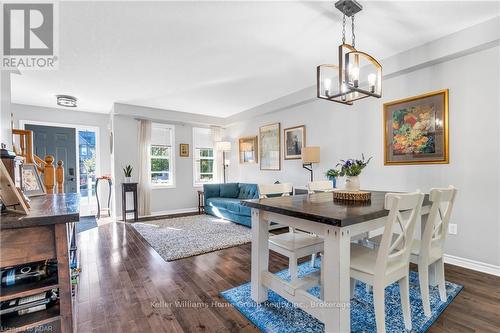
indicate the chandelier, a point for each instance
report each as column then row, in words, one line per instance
column 358, row 74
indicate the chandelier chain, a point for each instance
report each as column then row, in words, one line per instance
column 343, row 24
column 353, row 34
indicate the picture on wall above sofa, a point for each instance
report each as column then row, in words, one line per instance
column 248, row 150
column 270, row 147
column 295, row 140
column 416, row 129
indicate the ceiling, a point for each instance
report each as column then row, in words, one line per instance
column 220, row 58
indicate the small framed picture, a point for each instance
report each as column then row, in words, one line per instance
column 295, row 140
column 184, row 150
column 31, row 182
column 248, row 150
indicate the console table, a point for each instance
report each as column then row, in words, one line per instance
column 47, row 232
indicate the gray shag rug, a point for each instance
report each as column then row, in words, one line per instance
column 188, row 236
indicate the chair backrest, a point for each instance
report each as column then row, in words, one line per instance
column 275, row 189
column 436, row 226
column 399, row 248
column 320, row 186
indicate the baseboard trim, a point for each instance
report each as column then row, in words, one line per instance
column 472, row 264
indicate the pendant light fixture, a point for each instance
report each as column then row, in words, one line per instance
column 358, row 74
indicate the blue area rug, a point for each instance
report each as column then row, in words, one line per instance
column 86, row 223
column 279, row 316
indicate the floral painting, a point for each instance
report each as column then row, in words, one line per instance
column 416, row 129
column 413, row 130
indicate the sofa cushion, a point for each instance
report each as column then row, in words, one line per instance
column 231, row 204
column 229, row 190
column 211, row 190
column 248, row 191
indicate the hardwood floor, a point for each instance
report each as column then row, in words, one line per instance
column 125, row 286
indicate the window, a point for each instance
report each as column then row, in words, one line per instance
column 162, row 166
column 203, row 161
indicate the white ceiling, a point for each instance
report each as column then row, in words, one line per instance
column 220, row 58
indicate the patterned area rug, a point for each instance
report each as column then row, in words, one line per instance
column 188, row 236
column 86, row 223
column 279, row 316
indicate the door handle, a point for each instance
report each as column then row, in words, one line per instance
column 71, row 179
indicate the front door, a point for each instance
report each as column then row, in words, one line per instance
column 60, row 143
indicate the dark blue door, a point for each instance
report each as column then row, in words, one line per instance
column 61, row 143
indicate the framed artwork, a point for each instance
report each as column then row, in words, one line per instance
column 248, row 150
column 295, row 140
column 184, row 149
column 270, row 147
column 31, row 182
column 416, row 130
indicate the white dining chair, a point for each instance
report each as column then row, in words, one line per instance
column 320, row 186
column 389, row 263
column 293, row 244
column 429, row 250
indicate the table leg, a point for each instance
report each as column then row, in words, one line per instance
column 97, row 198
column 109, row 197
column 336, row 266
column 260, row 256
column 136, row 207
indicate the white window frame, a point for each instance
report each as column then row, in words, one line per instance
column 172, row 157
column 196, row 159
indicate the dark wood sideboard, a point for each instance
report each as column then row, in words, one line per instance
column 47, row 232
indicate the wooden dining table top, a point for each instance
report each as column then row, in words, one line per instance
column 323, row 208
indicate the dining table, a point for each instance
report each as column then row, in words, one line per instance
column 337, row 222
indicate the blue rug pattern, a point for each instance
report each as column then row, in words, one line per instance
column 86, row 223
column 277, row 315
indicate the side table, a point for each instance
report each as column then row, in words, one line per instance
column 201, row 202
column 129, row 187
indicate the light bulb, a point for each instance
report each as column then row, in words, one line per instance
column 327, row 84
column 371, row 81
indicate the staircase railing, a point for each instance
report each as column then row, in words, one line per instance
column 53, row 176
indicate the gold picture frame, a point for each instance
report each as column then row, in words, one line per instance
column 294, row 139
column 416, row 130
column 248, row 150
column 184, row 150
column 270, row 147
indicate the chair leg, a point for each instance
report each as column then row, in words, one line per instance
column 441, row 282
column 322, row 282
column 404, row 288
column 379, row 304
column 292, row 268
column 353, row 287
column 423, row 278
column 368, row 288
column 313, row 259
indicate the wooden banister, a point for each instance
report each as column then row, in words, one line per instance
column 52, row 175
column 49, row 174
column 60, row 176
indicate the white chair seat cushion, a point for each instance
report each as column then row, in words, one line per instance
column 293, row 241
column 435, row 254
column 363, row 259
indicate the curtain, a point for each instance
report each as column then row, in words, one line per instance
column 144, row 167
column 218, row 167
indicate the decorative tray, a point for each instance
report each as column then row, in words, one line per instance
column 352, row 195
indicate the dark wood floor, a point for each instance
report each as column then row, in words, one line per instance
column 126, row 286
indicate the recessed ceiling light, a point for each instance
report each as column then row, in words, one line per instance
column 66, row 100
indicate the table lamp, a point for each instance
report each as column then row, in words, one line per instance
column 310, row 155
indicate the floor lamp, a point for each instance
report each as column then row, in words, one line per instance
column 310, row 155
column 224, row 146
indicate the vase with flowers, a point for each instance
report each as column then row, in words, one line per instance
column 351, row 169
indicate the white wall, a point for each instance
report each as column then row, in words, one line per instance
column 5, row 134
column 345, row 132
column 183, row 197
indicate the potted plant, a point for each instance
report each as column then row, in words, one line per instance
column 351, row 169
column 128, row 173
column 332, row 175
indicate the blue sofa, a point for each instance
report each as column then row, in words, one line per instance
column 223, row 200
